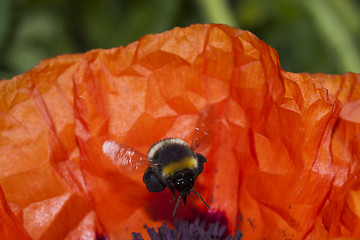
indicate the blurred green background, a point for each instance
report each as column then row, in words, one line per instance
column 309, row 35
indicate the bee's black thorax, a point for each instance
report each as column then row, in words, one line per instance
column 169, row 153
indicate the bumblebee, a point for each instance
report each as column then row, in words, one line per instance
column 170, row 163
column 176, row 166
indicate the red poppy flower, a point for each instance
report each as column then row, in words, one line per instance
column 283, row 159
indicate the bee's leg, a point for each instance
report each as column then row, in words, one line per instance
column 201, row 160
column 153, row 183
column 173, row 191
column 177, row 203
column 201, row 157
column 200, row 198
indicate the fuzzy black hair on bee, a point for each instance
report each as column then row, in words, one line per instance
column 176, row 166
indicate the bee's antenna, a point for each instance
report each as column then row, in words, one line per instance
column 199, row 197
column 177, row 203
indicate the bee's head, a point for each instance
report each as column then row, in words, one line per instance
column 184, row 181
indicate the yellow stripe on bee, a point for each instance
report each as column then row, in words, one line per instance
column 185, row 163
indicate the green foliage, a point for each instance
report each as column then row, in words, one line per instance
column 309, row 35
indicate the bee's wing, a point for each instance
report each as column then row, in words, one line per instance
column 124, row 157
column 206, row 124
column 201, row 132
